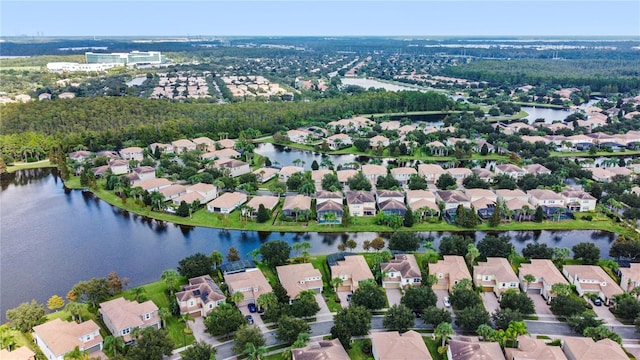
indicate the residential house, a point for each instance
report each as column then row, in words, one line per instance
column 592, row 279
column 390, row 125
column 584, row 348
column 108, row 154
column 226, row 143
column 403, row 174
column 506, row 195
column 339, row 141
column 480, row 143
column 351, row 124
column 392, row 207
column 546, row 274
column 483, row 174
column 453, row 198
column 189, row 198
column 510, row 170
column 269, row 202
column 476, row 194
column 324, row 196
column 220, row 154
column 164, row 148
column 21, row 353
column 467, row 348
column 431, row 172
column 251, row 283
column 496, row 274
column 345, row 175
column 405, row 129
column 204, row 143
column 296, row 205
column 265, row 174
column 142, row 173
column 200, row 296
column 227, row 202
column 537, row 169
column 378, row 141
column 285, row 173
column 299, row 136
column 437, row 148
column 321, row 350
column 173, row 191
column 122, row 316
column 153, row 184
column 401, row 271
column 459, row 173
column 318, row 175
column 534, row 139
column 630, row 277
column 296, row 278
column 329, row 209
column 351, row 270
column 544, row 197
column 391, row 345
column 532, row 348
column 605, row 175
column 132, row 153
column 183, row 145
column 383, row 195
column 422, row 203
column 56, row 338
column 119, row 166
column 361, row 203
column 578, row 200
column 208, row 191
column 80, row 155
column 449, row 271
column 233, row 167
column 373, row 172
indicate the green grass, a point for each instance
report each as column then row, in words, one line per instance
column 355, row 353
column 31, row 165
column 432, row 345
column 320, row 262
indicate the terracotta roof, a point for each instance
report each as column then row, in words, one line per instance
column 459, row 171
column 506, row 193
column 329, row 195
column 125, row 314
column 516, row 204
column 329, row 205
column 450, row 196
column 300, row 202
column 201, row 188
column 144, row 170
column 317, row 175
column 229, row 163
column 359, row 197
column 498, row 267
column 152, row 183
column 544, row 194
column 468, row 349
column 62, row 337
column 249, row 281
column 267, row 172
column 424, row 169
column 299, row 277
column 133, row 149
column 389, row 194
column 534, row 349
column 509, row 168
column 452, row 266
column 403, row 170
column 203, row 140
column 482, row 203
column 344, row 175
column 482, row 172
column 268, row 201
column 290, row 170
column 594, row 272
column 321, row 350
column 21, row 353
column 543, row 269
column 585, row 348
column 415, row 195
column 370, row 169
column 228, row 200
column 392, row 204
column 227, row 143
column 183, row 143
column 475, row 194
column 406, row 264
column 392, row 345
column 189, row 198
column 354, row 266
column 199, row 287
column 423, row 203
column 536, row 169
column 579, row 194
column 173, row 190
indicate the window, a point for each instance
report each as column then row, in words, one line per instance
column 485, row 278
column 416, row 280
column 147, row 316
column 126, row 331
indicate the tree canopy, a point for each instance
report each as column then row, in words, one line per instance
column 195, row 265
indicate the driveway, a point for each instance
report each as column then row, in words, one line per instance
column 342, row 295
column 543, row 310
column 257, row 320
column 441, row 295
column 604, row 314
column 393, row 296
column 490, row 302
column 324, row 314
column 199, row 332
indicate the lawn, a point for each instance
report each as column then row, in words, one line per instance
column 320, row 262
column 30, row 165
column 356, row 353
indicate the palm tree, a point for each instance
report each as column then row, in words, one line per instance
column 77, row 354
column 216, row 258
column 164, row 315
column 254, row 254
column 75, row 309
column 528, row 279
column 560, row 289
column 336, row 282
column 170, row 277
column 253, row 352
column 113, row 345
column 7, row 339
column 138, row 291
column 237, row 297
column 515, row 329
column 472, row 253
column 267, row 300
column 484, row 330
column 184, row 319
column 157, row 201
column 443, row 331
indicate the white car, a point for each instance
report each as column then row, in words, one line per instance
column 446, row 301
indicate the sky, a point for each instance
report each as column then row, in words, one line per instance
column 320, row 18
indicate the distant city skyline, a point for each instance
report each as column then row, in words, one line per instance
column 320, row 18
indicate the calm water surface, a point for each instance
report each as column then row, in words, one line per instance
column 51, row 238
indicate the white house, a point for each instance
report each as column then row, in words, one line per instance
column 57, row 338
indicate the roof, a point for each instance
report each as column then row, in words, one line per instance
column 344, row 175
column 453, row 265
column 229, row 163
column 267, row 171
column 424, row 169
column 452, row 196
column 227, row 143
column 506, row 193
column 424, row 203
column 403, row 170
column 323, row 194
column 268, row 201
column 144, row 169
column 228, row 200
column 483, row 203
column 406, row 264
column 125, row 314
column 632, row 272
column 201, row 188
column 317, row 175
column 594, row 272
column 202, row 287
column 252, row 279
column 189, row 198
column 329, row 205
column 133, row 149
column 536, row 169
column 173, row 190
column 152, row 183
column 579, row 194
column 203, row 140
column 237, row 266
column 392, row 204
column 389, row 194
column 415, row 195
column 584, row 348
column 543, row 269
column 321, row 350
column 392, row 345
column 459, row 171
column 534, row 349
column 475, row 194
column 300, row 202
column 516, row 204
column 370, row 169
column 290, row 170
column 62, row 337
column 467, row 349
column 359, row 197
column 498, row 267
column 183, row 143
column 294, row 278
column 354, row 266
column 544, row 194
column 508, row 168
column 21, row 353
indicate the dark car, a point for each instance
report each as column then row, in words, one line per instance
column 252, row 307
column 249, row 319
column 349, row 297
column 597, row 301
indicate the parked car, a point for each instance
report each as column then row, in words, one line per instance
column 252, row 307
column 249, row 319
column 597, row 301
column 446, row 301
column 349, row 297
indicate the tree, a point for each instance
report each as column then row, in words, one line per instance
column 55, row 302
column 77, row 354
column 472, row 254
column 516, row 300
column 528, row 280
column 561, row 253
column 588, row 252
column 359, row 182
column 223, row 320
column 455, row 245
column 75, row 309
column 443, row 331
column 305, row 305
column 461, row 298
column 446, row 182
column 330, row 182
column 275, row 253
column 495, row 246
column 115, row 283
column 164, row 314
column 351, row 321
column 236, row 297
column 267, row 300
column 625, row 248
column 93, row 291
column 398, row 318
column 418, row 298
column 369, row 295
column 502, row 317
column 170, row 278
column 601, row 332
column 151, row 344
column 183, row 209
column 471, row 317
column 417, row 182
column 263, row 214
column 233, row 254
column 515, row 329
column 626, row 306
column 434, row 315
column 157, row 201
column 289, row 327
column 195, row 265
column 7, row 339
column 114, row 345
column 538, row 216
column 579, row 322
column 484, row 331
column 378, row 243
column 404, row 241
column 253, row 352
column 281, row 293
column 315, row 165
column 351, row 244
column 560, row 289
column 247, row 335
column 200, row 350
column 537, row 251
column 216, row 258
column 408, row 219
column 567, row 305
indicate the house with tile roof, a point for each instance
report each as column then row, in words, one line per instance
column 630, row 276
column 21, row 353
column 391, row 345
column 578, row 200
column 372, row 172
column 132, row 153
column 318, row 175
column 592, row 279
column 392, row 207
column 510, row 170
column 468, row 348
column 296, row 205
column 227, row 202
column 183, row 145
column 496, row 275
column 352, row 270
column 119, row 166
column 346, row 174
column 532, row 348
column 403, row 174
column 546, row 274
column 265, row 174
column 204, row 143
column 164, row 148
column 449, row 271
column 80, row 155
column 401, row 271
column 220, row 154
column 173, row 191
column 232, row 167
column 122, row 316
column 153, row 184
column 269, row 202
column 453, row 198
column 251, row 283
column 339, row 141
column 378, row 141
column 329, row 212
column 57, row 337
column 544, row 197
column 361, row 203
column 431, row 172
column 459, row 173
column 483, row 174
column 227, row 143
column 296, row 278
column 200, row 296
column 285, row 173
column 584, row 348
column 506, row 195
column 321, row 350
column 537, row 169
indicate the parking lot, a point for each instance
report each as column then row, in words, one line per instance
column 490, row 302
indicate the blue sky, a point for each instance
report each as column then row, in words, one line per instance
column 320, row 18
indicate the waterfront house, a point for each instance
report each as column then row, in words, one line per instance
column 449, row 271
column 265, row 174
column 549, row 198
column 537, row 169
column 285, row 173
column 592, row 279
column 476, row 194
column 384, row 195
column 392, row 207
column 496, row 275
column 403, row 174
column 352, row 124
column 173, row 191
column 401, row 271
column 510, row 170
column 351, row 270
column 339, row 141
column 373, row 172
column 318, row 175
column 296, row 278
column 142, row 173
column 119, row 166
column 251, row 283
column 232, row 167
column 153, row 184
column 578, row 200
column 431, row 172
column 80, row 155
column 227, row 202
column 200, row 296
column 506, row 195
column 459, row 173
column 390, row 125
column 329, row 212
column 207, row 191
column 122, row 316
column 226, row 143
column 296, row 205
column 21, row 353
column 345, row 175
column 546, row 274
column 391, row 345
column 630, row 276
column 453, row 198
column 164, row 148
column 220, row 154
column 269, row 202
column 299, row 136
column 361, row 203
column 57, row 337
